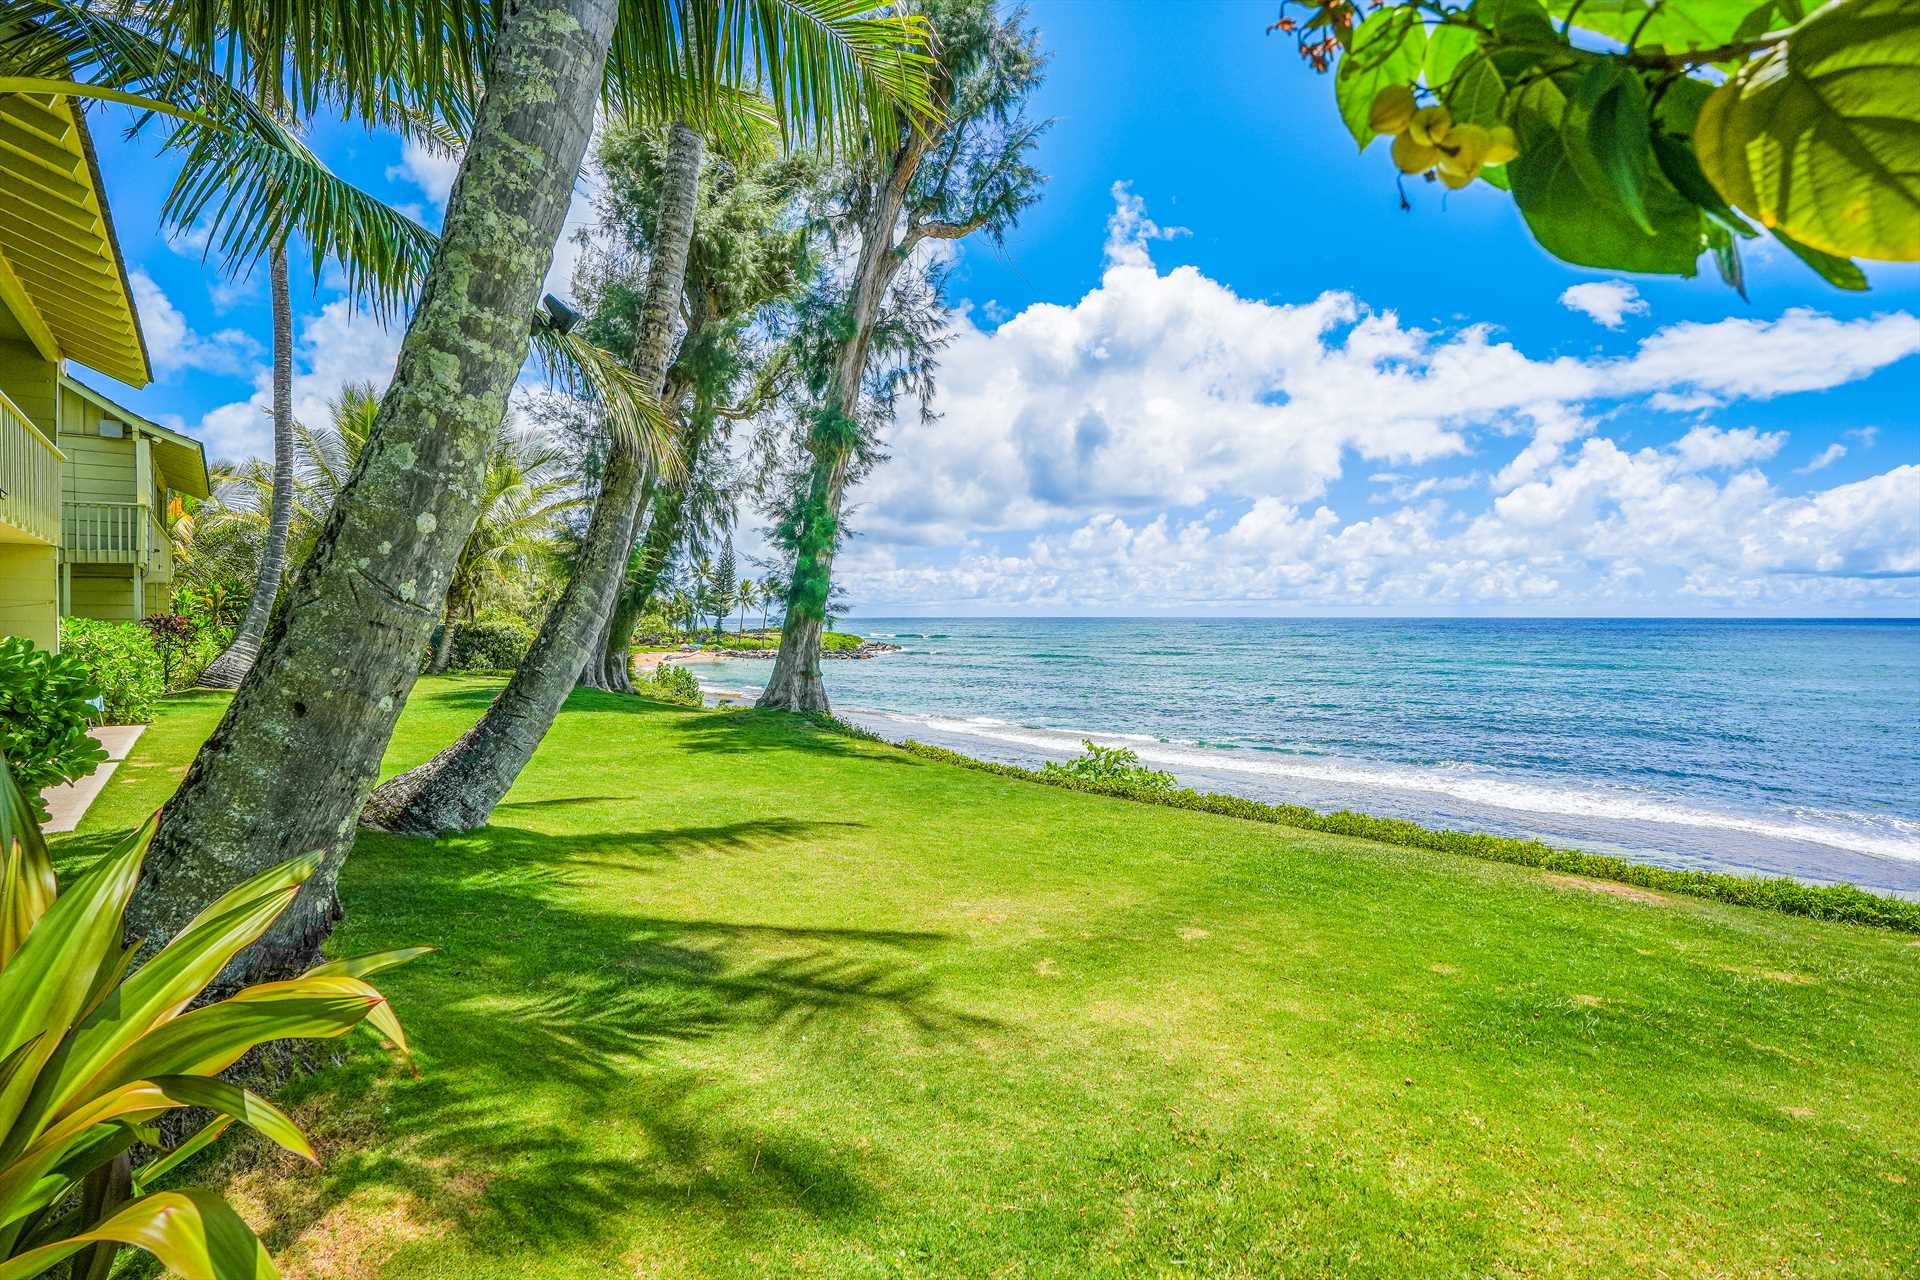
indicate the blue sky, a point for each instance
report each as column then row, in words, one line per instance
column 1218, row 370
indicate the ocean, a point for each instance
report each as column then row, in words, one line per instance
column 1772, row 748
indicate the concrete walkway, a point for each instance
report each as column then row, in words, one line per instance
column 68, row 802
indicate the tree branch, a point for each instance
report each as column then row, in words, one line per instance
column 940, row 231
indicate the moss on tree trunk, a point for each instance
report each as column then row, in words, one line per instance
column 297, row 752
column 458, row 789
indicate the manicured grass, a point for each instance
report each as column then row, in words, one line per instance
column 722, row 994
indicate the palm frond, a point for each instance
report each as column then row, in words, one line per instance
column 253, row 190
column 631, row 408
column 835, row 72
column 244, row 174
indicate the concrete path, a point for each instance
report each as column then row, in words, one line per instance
column 68, row 801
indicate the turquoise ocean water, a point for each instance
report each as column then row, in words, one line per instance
column 1779, row 748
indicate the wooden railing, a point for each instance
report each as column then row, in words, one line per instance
column 106, row 533
column 29, row 476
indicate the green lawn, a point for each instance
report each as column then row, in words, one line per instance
column 723, row 995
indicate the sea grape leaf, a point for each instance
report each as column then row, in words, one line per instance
column 1448, row 45
column 1841, row 273
column 1522, row 22
column 1388, row 48
column 1618, row 130
column 1677, row 163
column 1568, row 198
column 1820, row 136
column 1673, row 24
column 1478, row 95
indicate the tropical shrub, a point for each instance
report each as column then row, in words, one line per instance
column 1116, row 765
column 173, row 636
column 490, row 643
column 89, row 1059
column 670, row 683
column 46, row 704
column 1640, row 136
column 120, row 659
column 207, row 644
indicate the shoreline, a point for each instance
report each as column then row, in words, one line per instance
column 1680, row 828
column 1665, row 833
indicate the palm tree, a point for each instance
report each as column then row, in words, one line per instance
column 231, row 667
column 680, row 609
column 746, row 595
column 334, row 673
column 768, row 590
column 700, row 585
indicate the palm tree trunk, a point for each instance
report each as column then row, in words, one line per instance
column 458, row 789
column 293, row 760
column 231, row 667
column 443, row 647
column 615, row 656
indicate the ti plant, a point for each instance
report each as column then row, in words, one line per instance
column 90, row 1058
column 1634, row 135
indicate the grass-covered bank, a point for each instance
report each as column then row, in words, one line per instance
column 724, row 994
column 1773, row 893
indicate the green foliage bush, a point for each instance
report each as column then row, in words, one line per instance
column 1112, row 765
column 208, row 643
column 1841, row 902
column 490, row 643
column 98, row 1059
column 46, row 703
column 122, row 663
column 670, row 683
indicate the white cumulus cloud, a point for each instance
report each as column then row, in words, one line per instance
column 1075, row 435
column 172, row 343
column 341, row 344
column 1605, row 302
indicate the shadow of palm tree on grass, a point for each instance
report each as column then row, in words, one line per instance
column 556, row 1033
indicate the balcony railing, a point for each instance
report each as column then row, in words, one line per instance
column 112, row 533
column 29, row 476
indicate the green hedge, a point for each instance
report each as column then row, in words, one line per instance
column 1841, row 902
column 46, row 703
column 490, row 644
column 122, row 662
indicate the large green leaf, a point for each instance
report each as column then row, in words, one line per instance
column 1619, row 129
column 162, row 988
column 1570, row 203
column 1524, row 37
column 1820, row 137
column 1388, row 48
column 194, row 1233
column 1447, row 47
column 1841, row 273
column 27, row 886
column 1672, row 24
column 45, row 986
column 211, row 1038
column 1477, row 94
column 44, row 1172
